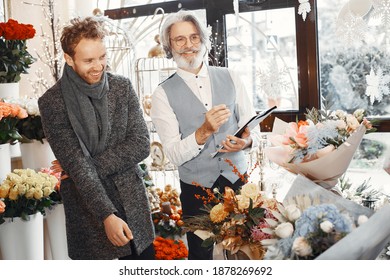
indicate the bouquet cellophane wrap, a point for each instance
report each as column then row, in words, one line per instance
column 306, row 189
column 365, row 242
column 324, row 170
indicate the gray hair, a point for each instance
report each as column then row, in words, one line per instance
column 180, row 16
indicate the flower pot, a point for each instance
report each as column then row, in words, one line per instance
column 36, row 155
column 56, row 231
column 22, row 240
column 5, row 156
column 11, row 91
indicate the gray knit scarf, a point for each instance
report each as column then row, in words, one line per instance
column 87, row 110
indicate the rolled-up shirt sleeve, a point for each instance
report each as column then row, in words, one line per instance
column 177, row 150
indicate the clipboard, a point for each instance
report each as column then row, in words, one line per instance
column 251, row 123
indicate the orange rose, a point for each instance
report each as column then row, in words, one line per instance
column 296, row 134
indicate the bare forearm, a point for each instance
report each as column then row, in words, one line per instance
column 201, row 135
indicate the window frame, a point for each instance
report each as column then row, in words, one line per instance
column 306, row 43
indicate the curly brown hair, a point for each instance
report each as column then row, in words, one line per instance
column 80, row 28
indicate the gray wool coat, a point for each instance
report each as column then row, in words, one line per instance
column 112, row 183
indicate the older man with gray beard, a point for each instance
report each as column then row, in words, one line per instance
column 196, row 112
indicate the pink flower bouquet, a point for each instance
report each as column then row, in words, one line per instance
column 319, row 148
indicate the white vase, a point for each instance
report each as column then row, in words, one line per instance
column 11, row 91
column 55, row 221
column 36, row 155
column 22, row 240
column 5, row 157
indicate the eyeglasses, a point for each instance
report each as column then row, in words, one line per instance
column 182, row 40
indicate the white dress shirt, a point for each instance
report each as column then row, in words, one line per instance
column 164, row 119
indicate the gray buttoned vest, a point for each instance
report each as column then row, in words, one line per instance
column 203, row 169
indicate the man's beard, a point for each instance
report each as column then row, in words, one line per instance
column 194, row 63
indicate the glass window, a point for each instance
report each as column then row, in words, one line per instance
column 354, row 55
column 261, row 45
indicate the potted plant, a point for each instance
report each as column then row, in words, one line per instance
column 35, row 150
column 14, row 57
column 25, row 196
column 10, row 115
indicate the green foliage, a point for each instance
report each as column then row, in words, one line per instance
column 14, row 60
column 147, row 179
column 23, row 207
column 370, row 149
column 8, row 130
column 30, row 128
column 166, row 227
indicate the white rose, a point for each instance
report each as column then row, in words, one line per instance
column 362, row 219
column 326, row 226
column 29, row 172
column 340, row 114
column 22, row 189
column 38, row 185
column 250, row 190
column 242, row 201
column 47, row 184
column 301, row 247
column 32, row 107
column 340, row 124
column 30, row 193
column 53, row 180
column 359, row 114
column 38, row 194
column 4, row 190
column 29, row 181
column 292, row 212
column 15, row 178
column 284, row 230
column 352, row 122
column 13, row 193
column 47, row 191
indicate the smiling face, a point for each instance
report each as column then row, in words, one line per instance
column 89, row 60
column 189, row 56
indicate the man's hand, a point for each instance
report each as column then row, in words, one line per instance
column 235, row 144
column 214, row 119
column 117, row 231
column 57, row 168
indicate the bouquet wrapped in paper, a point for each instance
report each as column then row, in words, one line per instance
column 320, row 148
column 314, row 223
column 233, row 222
column 364, row 243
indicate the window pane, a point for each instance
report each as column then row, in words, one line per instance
column 262, row 47
column 354, row 47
